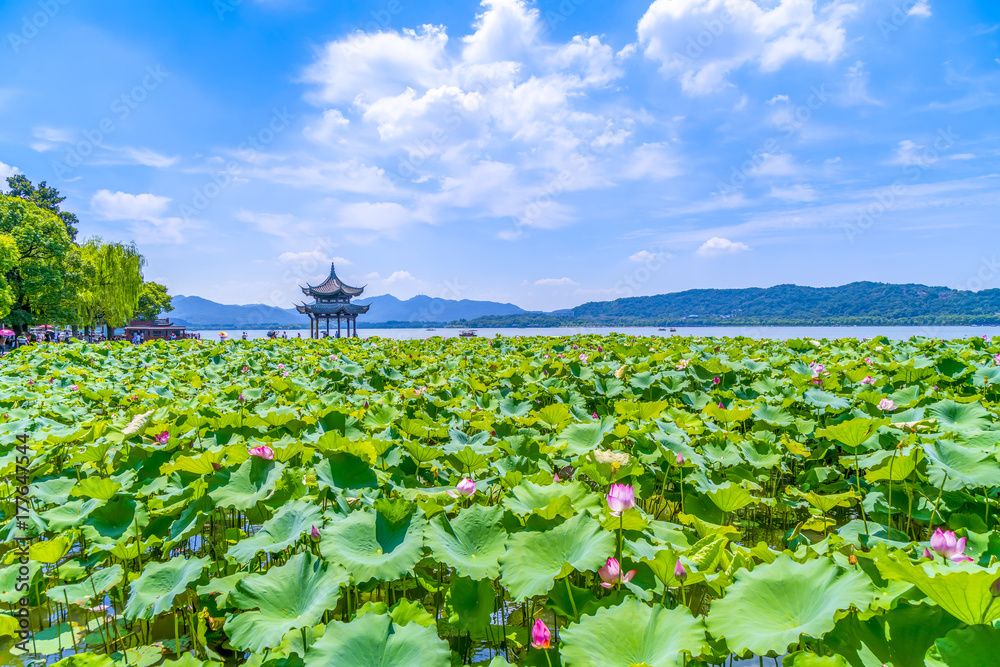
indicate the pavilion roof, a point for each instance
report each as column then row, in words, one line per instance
column 332, row 286
column 333, row 308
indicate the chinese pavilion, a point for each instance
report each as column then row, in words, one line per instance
column 332, row 300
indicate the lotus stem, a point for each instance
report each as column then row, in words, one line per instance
column 930, row 524
column 572, row 602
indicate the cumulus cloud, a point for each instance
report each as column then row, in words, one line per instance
column 700, row 42
column 399, row 277
column 146, row 213
column 642, row 256
column 556, row 282
column 922, row 8
column 6, row 171
column 720, row 246
column 493, row 121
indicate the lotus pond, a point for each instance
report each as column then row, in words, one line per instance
column 581, row 501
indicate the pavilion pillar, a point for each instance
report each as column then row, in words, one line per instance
column 355, row 320
column 338, row 325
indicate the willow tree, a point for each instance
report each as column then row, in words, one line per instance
column 113, row 282
column 9, row 257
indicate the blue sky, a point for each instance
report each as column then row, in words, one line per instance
column 544, row 153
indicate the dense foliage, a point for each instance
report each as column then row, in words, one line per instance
column 429, row 503
column 46, row 277
column 855, row 304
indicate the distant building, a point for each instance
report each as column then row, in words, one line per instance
column 332, row 300
column 155, row 329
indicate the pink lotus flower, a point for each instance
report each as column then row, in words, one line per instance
column 679, row 460
column 996, row 359
column 74, row 387
column 162, row 438
column 868, row 380
column 246, row 369
column 583, row 357
column 611, row 574
column 683, row 364
column 818, row 369
column 621, row 498
column 595, row 416
column 721, row 406
column 680, row 573
column 314, row 534
column 465, row 489
column 262, row 451
column 944, row 544
column 886, row 405
column 716, row 380
column 540, row 635
column 31, row 383
column 868, row 361
column 927, row 554
column 280, row 366
column 285, row 374
column 241, row 399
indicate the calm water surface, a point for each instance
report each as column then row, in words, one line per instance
column 895, row 333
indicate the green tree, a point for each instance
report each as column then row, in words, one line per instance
column 9, row 257
column 113, row 282
column 47, row 268
column 46, row 197
column 153, row 301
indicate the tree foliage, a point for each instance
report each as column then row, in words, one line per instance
column 9, row 257
column 153, row 301
column 113, row 282
column 48, row 263
column 45, row 196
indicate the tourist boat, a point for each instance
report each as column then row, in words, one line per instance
column 468, row 333
column 430, row 329
column 672, row 330
column 663, row 329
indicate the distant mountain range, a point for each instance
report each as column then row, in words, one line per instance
column 861, row 303
column 196, row 312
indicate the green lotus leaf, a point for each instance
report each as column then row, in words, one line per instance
column 822, row 399
column 280, row 531
column 900, row 637
column 633, row 633
column 406, row 611
column 527, row 497
column 961, row 589
column 370, row 546
column 81, row 593
column 582, row 438
column 470, row 604
column 244, row 487
column 774, row 415
column 978, row 646
column 770, row 608
column 964, row 466
column 375, row 641
column 96, row 487
column 114, row 522
column 730, row 497
column 535, row 559
column 154, row 591
column 852, row 433
column 471, row 543
column 85, row 660
column 804, row 659
column 287, row 597
column 342, row 471
column 959, row 417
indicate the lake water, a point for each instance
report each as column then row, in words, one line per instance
column 781, row 333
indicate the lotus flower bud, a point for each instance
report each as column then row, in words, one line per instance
column 680, row 572
column 995, row 589
column 680, row 459
column 621, row 498
column 540, row 635
column 262, row 451
column 314, row 534
column 465, row 489
column 162, row 438
column 611, row 574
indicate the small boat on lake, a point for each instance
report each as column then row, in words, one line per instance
column 468, row 333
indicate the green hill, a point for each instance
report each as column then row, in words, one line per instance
column 861, row 303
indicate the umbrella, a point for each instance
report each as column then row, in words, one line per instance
column 7, row 332
column 47, row 327
column 223, row 334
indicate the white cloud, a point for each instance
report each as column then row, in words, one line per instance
column 775, row 164
column 857, row 86
column 311, row 256
column 489, row 126
column 720, row 246
column 399, row 277
column 276, row 224
column 124, row 206
column 910, row 153
column 701, row 42
column 147, row 157
column 922, row 9
column 643, row 256
column 799, row 193
column 6, row 171
column 778, row 98
column 145, row 212
column 556, row 282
